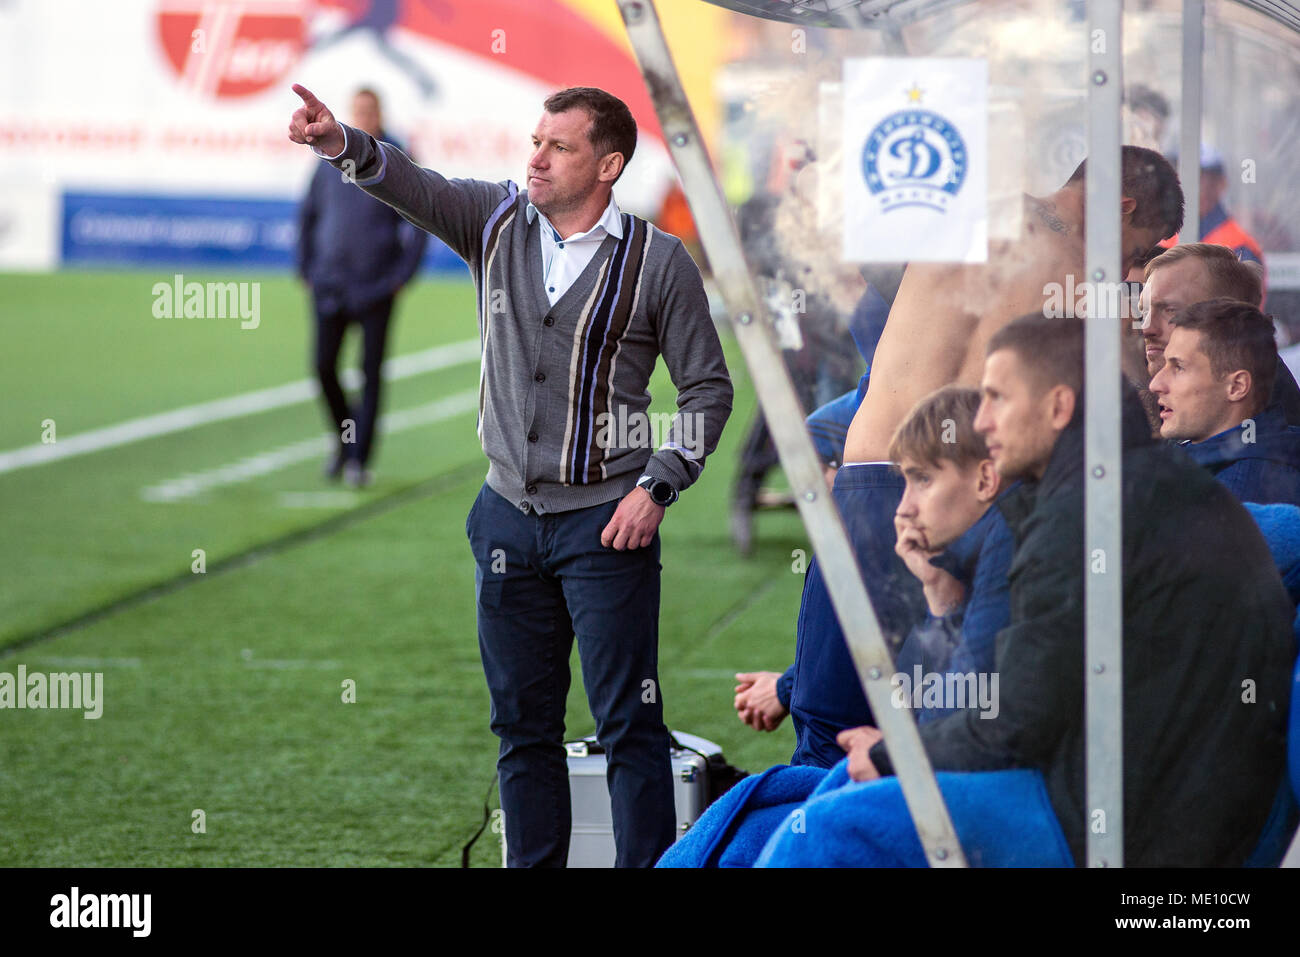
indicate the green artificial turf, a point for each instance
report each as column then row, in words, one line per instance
column 223, row 691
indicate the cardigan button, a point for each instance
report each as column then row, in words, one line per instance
column 548, row 321
column 532, row 436
column 540, row 377
column 531, row 490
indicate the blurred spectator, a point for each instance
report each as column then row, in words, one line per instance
column 354, row 254
column 1217, row 226
column 1149, row 114
column 817, row 349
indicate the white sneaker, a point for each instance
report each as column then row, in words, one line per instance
column 355, row 475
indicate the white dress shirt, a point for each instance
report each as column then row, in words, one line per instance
column 563, row 260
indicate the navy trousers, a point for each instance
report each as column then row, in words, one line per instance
column 330, row 327
column 541, row 580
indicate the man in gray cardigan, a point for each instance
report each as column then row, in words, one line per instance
column 576, row 301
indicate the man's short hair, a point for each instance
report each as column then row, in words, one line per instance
column 1051, row 349
column 612, row 130
column 1235, row 335
column 367, row 91
column 941, row 428
column 1230, row 278
column 1150, row 179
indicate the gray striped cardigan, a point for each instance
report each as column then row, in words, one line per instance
column 563, row 389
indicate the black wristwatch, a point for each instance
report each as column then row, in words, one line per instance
column 661, row 493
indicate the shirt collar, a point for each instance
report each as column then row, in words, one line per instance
column 1228, row 446
column 611, row 220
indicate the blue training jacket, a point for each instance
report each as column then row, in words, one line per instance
column 1265, row 470
column 963, row 641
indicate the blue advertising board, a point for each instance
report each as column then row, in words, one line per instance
column 139, row 229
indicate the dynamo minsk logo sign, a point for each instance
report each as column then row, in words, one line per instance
column 915, row 172
column 914, row 158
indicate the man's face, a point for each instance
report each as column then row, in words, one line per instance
column 563, row 168
column 941, row 501
column 1194, row 403
column 365, row 113
column 1015, row 418
column 1169, row 290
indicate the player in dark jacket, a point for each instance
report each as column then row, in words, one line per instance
column 1207, row 626
column 1213, row 393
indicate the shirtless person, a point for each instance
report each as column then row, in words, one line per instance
column 945, row 314
column 938, row 328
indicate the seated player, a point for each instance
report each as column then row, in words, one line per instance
column 1213, row 393
column 1192, row 273
column 1206, row 670
column 956, row 542
column 941, row 319
column 763, row 697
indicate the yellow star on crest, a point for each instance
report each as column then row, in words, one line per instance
column 914, row 94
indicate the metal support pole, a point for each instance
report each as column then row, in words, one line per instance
column 1103, row 515
column 785, row 420
column 1189, row 133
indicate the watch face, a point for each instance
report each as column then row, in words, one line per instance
column 662, row 493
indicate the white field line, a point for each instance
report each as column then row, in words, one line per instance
column 292, row 664
column 190, row 485
column 89, row 662
column 219, row 410
column 285, row 664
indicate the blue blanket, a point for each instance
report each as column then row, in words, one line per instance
column 1002, row 818
column 811, row 817
column 732, row 832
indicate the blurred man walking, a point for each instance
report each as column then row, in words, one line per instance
column 354, row 255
